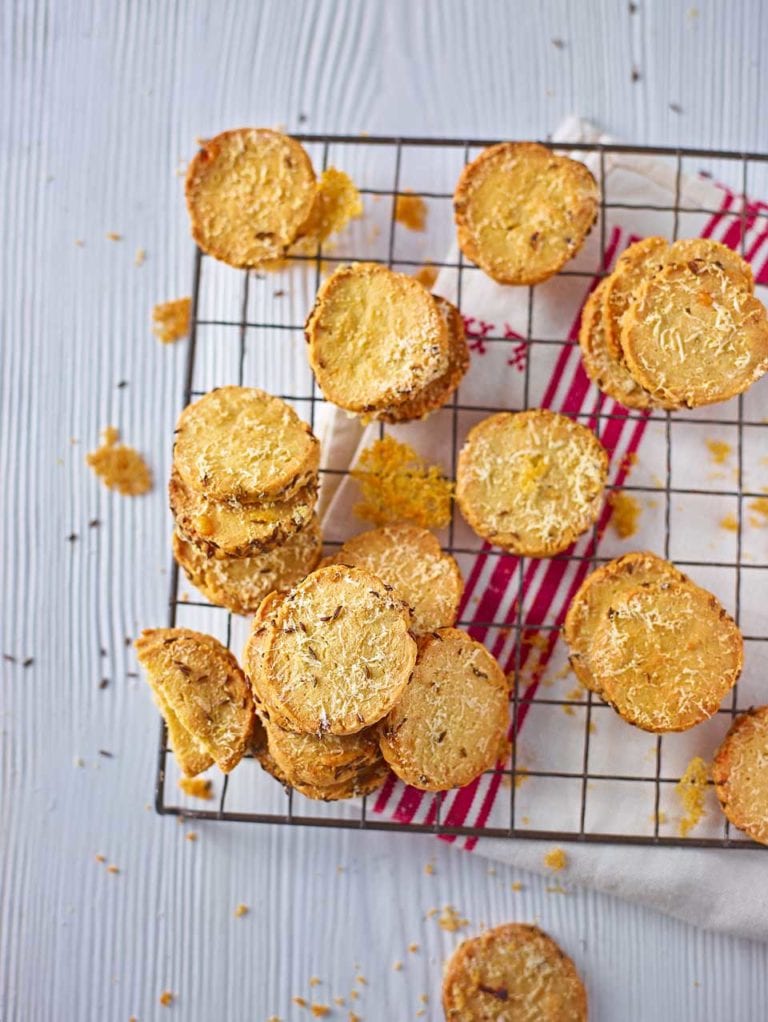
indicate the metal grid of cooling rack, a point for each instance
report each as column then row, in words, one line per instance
column 289, row 810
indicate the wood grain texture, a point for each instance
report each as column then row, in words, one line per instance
column 101, row 103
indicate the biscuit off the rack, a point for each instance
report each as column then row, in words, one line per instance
column 523, row 211
column 380, row 345
column 531, row 482
column 242, row 491
column 740, row 773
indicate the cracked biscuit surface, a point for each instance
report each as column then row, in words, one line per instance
column 523, row 211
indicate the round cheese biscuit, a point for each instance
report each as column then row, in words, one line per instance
column 605, row 370
column 512, row 973
column 447, row 727
column 249, row 191
column 323, row 760
column 227, row 529
column 409, row 559
column 522, row 211
column 241, row 583
column 375, row 338
column 664, row 655
column 239, row 443
column 594, row 597
column 436, row 393
column 694, row 337
column 203, row 685
column 740, row 773
column 531, row 482
column 339, row 653
column 634, row 266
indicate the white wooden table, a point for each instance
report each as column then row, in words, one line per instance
column 100, row 102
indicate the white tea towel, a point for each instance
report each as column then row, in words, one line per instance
column 724, row 889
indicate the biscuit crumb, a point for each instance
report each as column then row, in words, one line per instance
column 424, row 998
column 426, row 276
column 398, row 485
column 556, row 859
column 79, row 242
column 517, row 886
column 411, row 211
column 413, row 948
column 760, row 506
column 315, row 981
column 114, row 236
column 340, row 1001
column 119, row 467
column 556, row 889
column 730, row 523
column 113, row 869
column 299, row 1002
column 241, row 910
column 274, row 1018
column 450, row 920
column 362, row 980
column 320, row 1010
column 353, row 995
column 170, row 320
column 429, row 869
column 397, row 966
column 191, row 836
column 691, row 789
column 625, row 513
column 100, row 858
column 197, row 787
column 352, row 1017
column 719, row 451
column 139, row 257
column 166, row 998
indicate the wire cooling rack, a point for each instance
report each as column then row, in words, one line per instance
column 238, row 329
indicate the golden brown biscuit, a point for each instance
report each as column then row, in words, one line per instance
column 339, row 653
column 522, row 211
column 436, row 393
column 410, row 560
column 240, row 584
column 203, row 685
column 227, row 529
column 665, row 654
column 634, row 266
column 513, row 973
column 375, row 338
column 248, row 192
column 597, row 592
column 740, row 773
column 532, row 481
column 694, row 337
column 447, row 727
column 604, row 370
column 241, row 444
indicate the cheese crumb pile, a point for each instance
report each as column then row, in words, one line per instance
column 398, row 485
column 119, row 467
column 691, row 789
column 411, row 212
column 450, row 920
column 719, row 451
column 556, row 860
column 170, row 320
column 626, row 511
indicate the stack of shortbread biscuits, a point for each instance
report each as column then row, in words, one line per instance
column 243, row 489
column 675, row 326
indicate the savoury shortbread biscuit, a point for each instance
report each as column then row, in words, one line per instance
column 249, row 191
column 241, row 583
column 635, row 265
column 693, row 336
column 664, row 655
column 375, row 338
column 522, row 211
column 203, row 685
column 594, row 597
column 409, row 559
column 532, row 481
column 227, row 529
column 239, row 443
column 446, row 729
column 512, row 973
column 339, row 653
column 605, row 370
column 686, row 250
column 740, row 773
column 436, row 393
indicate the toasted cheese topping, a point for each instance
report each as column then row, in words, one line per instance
column 170, row 320
column 691, row 789
column 398, row 485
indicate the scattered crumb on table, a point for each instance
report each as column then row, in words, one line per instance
column 120, row 467
column 556, row 859
column 170, row 320
column 197, row 787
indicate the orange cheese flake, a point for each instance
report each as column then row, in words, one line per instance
column 170, row 320
column 197, row 787
column 719, row 451
column 411, row 211
column 119, row 467
column 626, row 512
column 426, row 275
column 760, row 506
column 556, row 860
column 691, row 789
column 398, row 485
